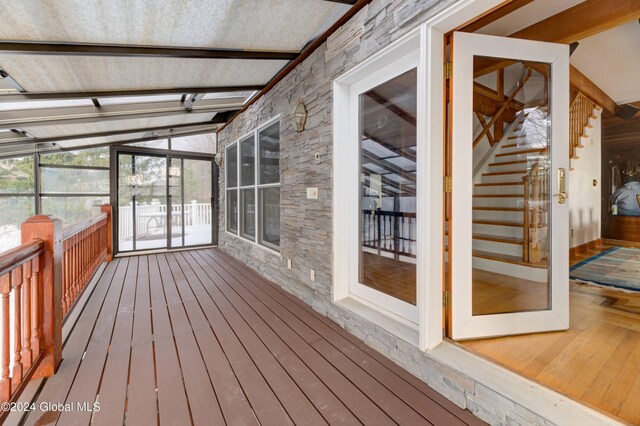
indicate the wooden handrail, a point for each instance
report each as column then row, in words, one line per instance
column 15, row 257
column 81, row 226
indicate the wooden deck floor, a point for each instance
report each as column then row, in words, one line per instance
column 195, row 337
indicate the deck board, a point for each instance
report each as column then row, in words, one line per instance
column 196, row 337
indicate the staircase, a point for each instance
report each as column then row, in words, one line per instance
column 503, row 193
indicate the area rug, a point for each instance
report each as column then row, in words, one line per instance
column 617, row 267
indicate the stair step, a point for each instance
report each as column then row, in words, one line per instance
column 499, row 183
column 510, row 145
column 499, row 223
column 499, row 195
column 500, row 209
column 498, row 239
column 507, row 163
column 516, row 137
column 523, row 151
column 510, row 172
column 507, row 259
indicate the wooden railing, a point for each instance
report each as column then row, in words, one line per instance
column 33, row 299
column 388, row 231
column 21, row 320
column 580, row 111
column 535, row 208
column 85, row 246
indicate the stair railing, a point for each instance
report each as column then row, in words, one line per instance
column 534, row 217
column 580, row 111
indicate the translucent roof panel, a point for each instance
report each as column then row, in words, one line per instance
column 81, row 73
column 14, row 106
column 138, row 99
column 109, row 126
column 230, row 24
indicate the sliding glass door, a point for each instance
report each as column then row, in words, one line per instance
column 163, row 201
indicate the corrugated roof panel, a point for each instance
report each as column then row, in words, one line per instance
column 231, row 24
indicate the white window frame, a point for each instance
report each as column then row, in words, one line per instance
column 256, row 186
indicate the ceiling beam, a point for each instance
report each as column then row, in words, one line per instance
column 37, row 96
column 137, row 51
column 581, row 83
column 581, row 21
column 219, row 118
column 493, row 15
column 90, row 114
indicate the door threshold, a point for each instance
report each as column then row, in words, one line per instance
column 159, row 251
column 498, row 383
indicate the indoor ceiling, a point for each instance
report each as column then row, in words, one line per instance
column 103, row 72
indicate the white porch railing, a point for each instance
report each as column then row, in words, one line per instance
column 195, row 214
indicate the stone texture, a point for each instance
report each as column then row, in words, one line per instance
column 306, row 225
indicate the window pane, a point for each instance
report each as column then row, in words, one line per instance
column 16, row 175
column 72, row 210
column 388, row 187
column 159, row 144
column 197, row 198
column 248, row 213
column 13, row 211
column 232, row 166
column 195, row 143
column 232, row 211
column 247, row 162
column 269, row 147
column 270, row 216
column 97, row 157
column 55, row 180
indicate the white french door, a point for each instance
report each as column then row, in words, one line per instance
column 508, row 229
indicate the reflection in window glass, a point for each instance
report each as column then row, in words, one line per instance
column 16, row 175
column 232, row 166
column 247, row 162
column 61, row 180
column 95, row 157
column 72, row 210
column 388, row 187
column 269, row 152
column 248, row 213
column 232, row 211
column 13, row 211
column 270, row 216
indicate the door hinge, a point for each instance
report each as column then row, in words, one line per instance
column 448, row 184
column 445, row 299
column 448, row 70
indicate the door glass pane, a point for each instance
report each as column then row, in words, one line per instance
column 270, row 216
column 247, row 162
column 248, row 213
column 269, row 152
column 197, row 199
column 177, row 218
column 125, row 202
column 511, row 193
column 388, row 187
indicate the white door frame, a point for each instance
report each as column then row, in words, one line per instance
column 464, row 324
column 431, row 111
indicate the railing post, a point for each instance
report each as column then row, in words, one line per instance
column 106, row 208
column 48, row 229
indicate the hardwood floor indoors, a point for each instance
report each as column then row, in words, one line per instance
column 596, row 362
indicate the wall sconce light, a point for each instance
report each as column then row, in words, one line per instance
column 299, row 117
column 218, row 159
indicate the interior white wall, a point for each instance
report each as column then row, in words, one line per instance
column 584, row 198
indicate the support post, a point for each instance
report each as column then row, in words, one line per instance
column 106, row 208
column 48, row 229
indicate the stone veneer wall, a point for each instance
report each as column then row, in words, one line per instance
column 306, row 225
